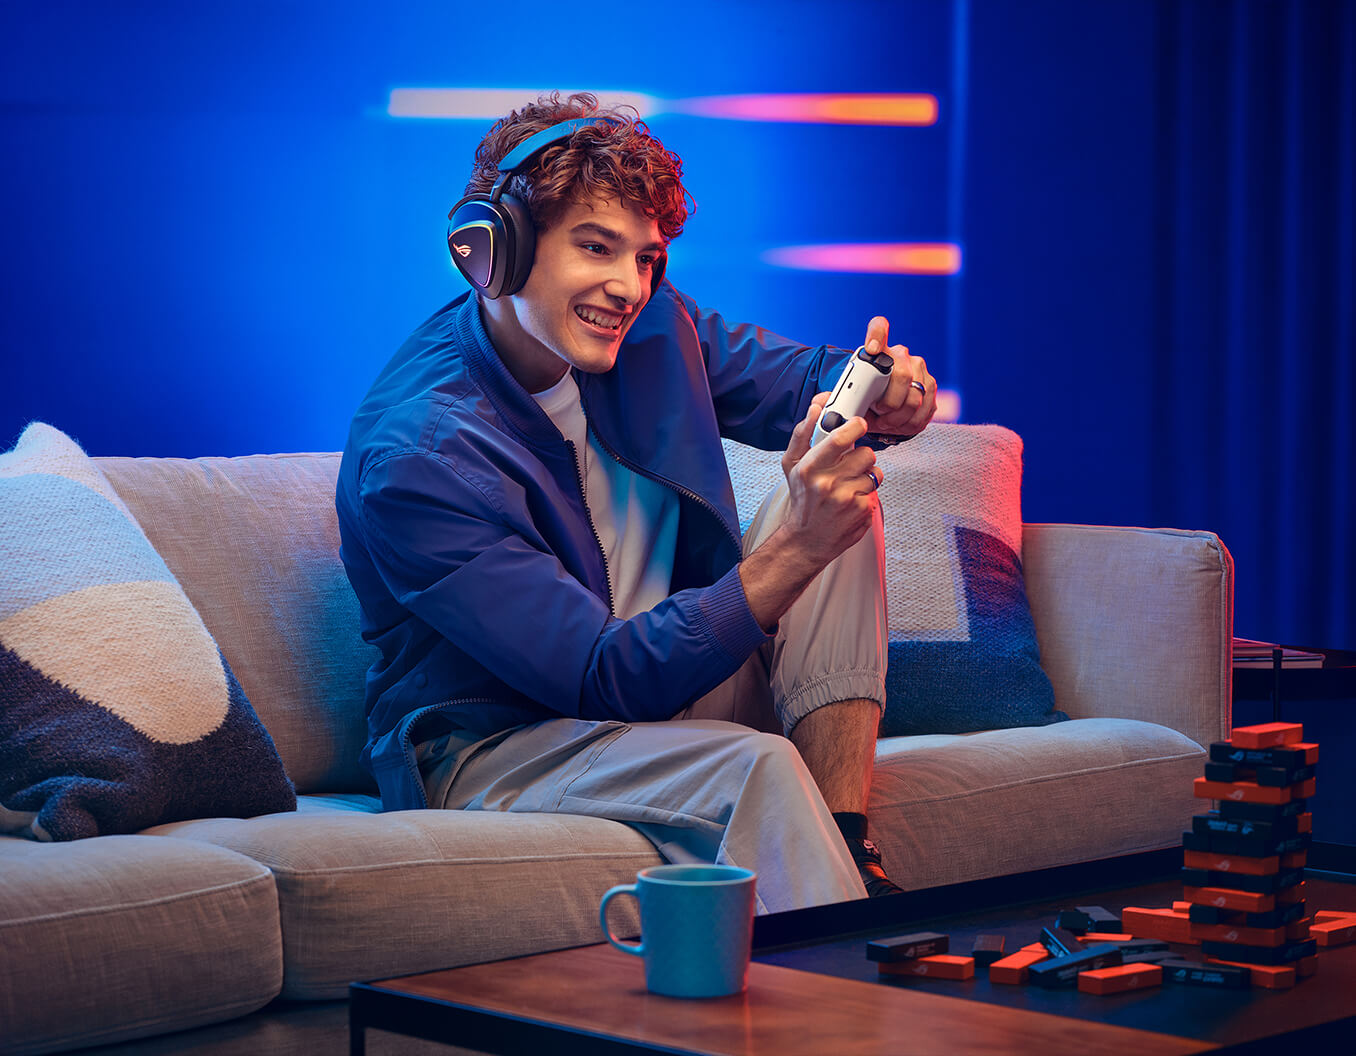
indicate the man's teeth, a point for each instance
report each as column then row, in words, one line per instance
column 607, row 322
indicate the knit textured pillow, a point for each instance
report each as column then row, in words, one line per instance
column 117, row 709
column 963, row 653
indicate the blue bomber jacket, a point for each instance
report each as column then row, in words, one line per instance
column 464, row 531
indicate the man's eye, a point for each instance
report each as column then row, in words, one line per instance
column 595, row 247
column 647, row 260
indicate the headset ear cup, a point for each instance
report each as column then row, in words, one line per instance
column 520, row 242
column 477, row 241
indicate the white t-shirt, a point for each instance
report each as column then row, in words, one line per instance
column 636, row 518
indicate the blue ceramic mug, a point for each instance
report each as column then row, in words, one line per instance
column 696, row 928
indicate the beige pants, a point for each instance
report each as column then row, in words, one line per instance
column 705, row 786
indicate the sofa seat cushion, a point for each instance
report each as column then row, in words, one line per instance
column 120, row 937
column 951, row 808
column 369, row 896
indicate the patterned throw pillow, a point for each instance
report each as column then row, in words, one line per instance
column 117, row 710
column 963, row 653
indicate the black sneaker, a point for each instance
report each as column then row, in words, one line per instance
column 867, row 856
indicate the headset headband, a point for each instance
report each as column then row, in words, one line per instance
column 520, row 155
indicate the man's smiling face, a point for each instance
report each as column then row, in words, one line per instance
column 590, row 278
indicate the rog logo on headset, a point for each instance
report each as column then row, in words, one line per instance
column 464, row 251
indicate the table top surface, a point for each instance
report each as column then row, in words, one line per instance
column 801, row 998
column 596, row 990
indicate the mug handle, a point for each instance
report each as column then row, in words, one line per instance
column 621, row 889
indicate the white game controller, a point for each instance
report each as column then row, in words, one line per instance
column 863, row 381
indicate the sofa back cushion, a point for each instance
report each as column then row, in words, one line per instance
column 254, row 541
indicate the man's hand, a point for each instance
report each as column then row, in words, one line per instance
column 906, row 408
column 832, row 485
column 831, row 500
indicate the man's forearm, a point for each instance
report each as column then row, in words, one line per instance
column 775, row 575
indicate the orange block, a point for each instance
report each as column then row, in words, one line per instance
column 1182, row 907
column 1298, row 930
column 1236, row 933
column 1296, row 859
column 1266, row 735
column 1120, row 978
column 938, row 966
column 1310, row 752
column 1107, row 936
column 1035, row 947
column 1323, row 915
column 1334, row 932
column 1304, row 789
column 1270, row 977
column 1306, row 966
column 1227, row 898
column 1232, row 863
column 1241, row 791
column 1167, row 925
column 1304, row 823
column 1013, row 969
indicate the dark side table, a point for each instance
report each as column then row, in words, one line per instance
column 1324, row 700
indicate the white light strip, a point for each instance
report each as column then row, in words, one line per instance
column 494, row 103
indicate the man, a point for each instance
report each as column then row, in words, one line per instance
column 537, row 519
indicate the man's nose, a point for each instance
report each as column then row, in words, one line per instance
column 626, row 282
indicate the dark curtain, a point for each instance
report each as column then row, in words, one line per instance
column 1253, row 377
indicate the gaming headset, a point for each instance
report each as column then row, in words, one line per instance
column 491, row 237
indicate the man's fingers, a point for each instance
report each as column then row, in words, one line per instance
column 877, row 335
column 804, row 430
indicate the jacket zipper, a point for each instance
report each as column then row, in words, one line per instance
column 672, row 486
column 588, row 515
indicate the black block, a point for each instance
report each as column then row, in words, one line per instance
column 907, row 947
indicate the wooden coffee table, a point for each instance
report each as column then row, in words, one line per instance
column 812, row 991
column 592, row 1000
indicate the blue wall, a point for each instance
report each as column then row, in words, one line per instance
column 215, row 236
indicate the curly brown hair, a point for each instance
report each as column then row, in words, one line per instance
column 616, row 158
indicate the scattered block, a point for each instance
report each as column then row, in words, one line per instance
column 1014, row 969
column 938, row 966
column 1165, row 924
column 1334, row 932
column 1108, row 936
column 987, row 949
column 1270, row 977
column 1323, row 915
column 1101, row 919
column 1192, row 973
column 1063, row 971
column 907, row 947
column 1120, row 978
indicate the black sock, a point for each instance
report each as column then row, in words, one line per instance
column 852, row 826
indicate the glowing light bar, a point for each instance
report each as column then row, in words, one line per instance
column 493, row 103
column 887, row 258
column 833, row 108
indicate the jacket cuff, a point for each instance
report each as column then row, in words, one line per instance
column 729, row 619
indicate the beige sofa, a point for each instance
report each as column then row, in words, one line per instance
column 241, row 935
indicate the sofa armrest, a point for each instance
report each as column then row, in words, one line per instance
column 1134, row 623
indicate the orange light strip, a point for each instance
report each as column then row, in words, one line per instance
column 832, row 108
column 888, row 258
column 825, row 108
